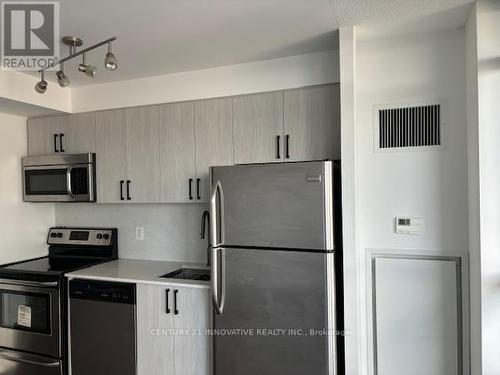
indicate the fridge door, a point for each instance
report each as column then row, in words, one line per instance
column 273, row 299
column 273, row 205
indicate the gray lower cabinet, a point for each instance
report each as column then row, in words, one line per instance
column 177, row 153
column 258, row 128
column 43, row 135
column 111, row 156
column 312, row 123
column 214, row 140
column 171, row 330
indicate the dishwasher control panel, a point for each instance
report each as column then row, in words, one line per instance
column 105, row 291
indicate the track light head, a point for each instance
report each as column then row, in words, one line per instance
column 62, row 78
column 110, row 62
column 41, row 86
column 88, row 69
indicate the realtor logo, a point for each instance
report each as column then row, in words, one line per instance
column 30, row 34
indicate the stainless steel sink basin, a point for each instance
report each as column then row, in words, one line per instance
column 189, row 274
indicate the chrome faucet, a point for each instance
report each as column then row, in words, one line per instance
column 205, row 220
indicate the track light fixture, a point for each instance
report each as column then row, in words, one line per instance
column 88, row 69
column 110, row 62
column 41, row 86
column 62, row 78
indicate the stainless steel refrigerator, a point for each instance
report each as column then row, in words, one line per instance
column 276, row 269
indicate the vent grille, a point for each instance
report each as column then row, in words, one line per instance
column 410, row 127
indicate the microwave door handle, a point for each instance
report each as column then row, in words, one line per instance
column 68, row 182
column 20, row 358
column 38, row 284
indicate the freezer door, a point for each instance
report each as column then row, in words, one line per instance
column 273, row 299
column 273, row 205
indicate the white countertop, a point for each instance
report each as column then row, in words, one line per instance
column 139, row 272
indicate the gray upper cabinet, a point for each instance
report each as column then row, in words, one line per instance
column 258, row 128
column 312, row 123
column 214, row 140
column 143, row 154
column 162, row 153
column 78, row 133
column 111, row 156
column 43, row 135
column 177, row 153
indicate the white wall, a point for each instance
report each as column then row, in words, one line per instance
column 430, row 184
column 19, row 87
column 259, row 76
column 473, row 177
column 488, row 50
column 171, row 231
column 23, row 226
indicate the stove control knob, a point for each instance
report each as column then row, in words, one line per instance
column 53, row 235
column 99, row 236
column 105, row 236
column 59, row 235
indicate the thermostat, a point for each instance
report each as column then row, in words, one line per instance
column 409, row 225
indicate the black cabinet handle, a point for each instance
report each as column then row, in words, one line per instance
column 190, row 189
column 121, row 190
column 61, row 148
column 167, row 292
column 55, row 143
column 287, row 146
column 176, row 312
column 198, row 189
column 128, row 190
column 278, row 153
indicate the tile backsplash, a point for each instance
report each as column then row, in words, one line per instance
column 171, row 231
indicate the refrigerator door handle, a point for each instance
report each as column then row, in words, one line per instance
column 218, row 295
column 216, row 213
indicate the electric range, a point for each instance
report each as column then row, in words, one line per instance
column 33, row 299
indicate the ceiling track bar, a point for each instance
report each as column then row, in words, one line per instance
column 79, row 53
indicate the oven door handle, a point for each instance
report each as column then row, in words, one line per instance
column 17, row 357
column 40, row 284
column 68, row 182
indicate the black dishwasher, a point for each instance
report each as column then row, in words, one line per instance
column 102, row 328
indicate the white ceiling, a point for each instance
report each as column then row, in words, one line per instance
column 167, row 36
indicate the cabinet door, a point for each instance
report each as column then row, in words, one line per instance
column 177, row 150
column 312, row 123
column 258, row 128
column 155, row 336
column 79, row 133
column 43, row 135
column 214, row 139
column 143, row 154
column 417, row 314
column 192, row 344
column 110, row 155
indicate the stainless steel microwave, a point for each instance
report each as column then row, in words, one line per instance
column 59, row 178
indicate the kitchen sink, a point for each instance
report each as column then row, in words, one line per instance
column 189, row 274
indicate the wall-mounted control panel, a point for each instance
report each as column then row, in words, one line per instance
column 408, row 225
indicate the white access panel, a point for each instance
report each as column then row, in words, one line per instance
column 417, row 316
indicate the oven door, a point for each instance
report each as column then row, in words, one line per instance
column 30, row 316
column 59, row 183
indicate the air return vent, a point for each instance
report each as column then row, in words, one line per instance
column 416, row 126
